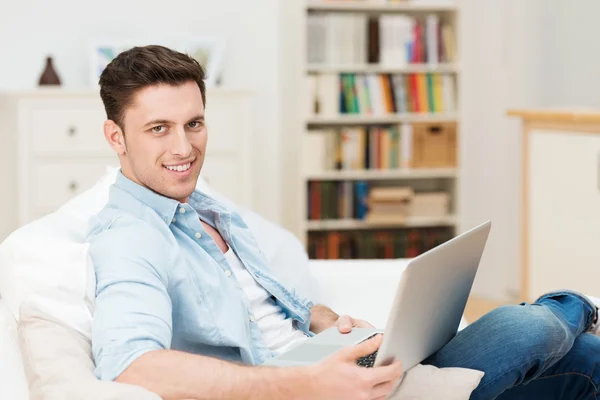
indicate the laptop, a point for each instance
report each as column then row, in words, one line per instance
column 426, row 312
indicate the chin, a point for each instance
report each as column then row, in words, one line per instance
column 178, row 194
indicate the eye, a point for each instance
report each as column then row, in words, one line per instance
column 158, row 129
column 195, row 124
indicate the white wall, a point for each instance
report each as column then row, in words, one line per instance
column 500, row 69
column 570, row 55
column 31, row 29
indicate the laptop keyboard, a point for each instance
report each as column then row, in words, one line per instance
column 367, row 361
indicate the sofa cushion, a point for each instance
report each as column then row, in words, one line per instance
column 13, row 385
column 58, row 362
column 426, row 382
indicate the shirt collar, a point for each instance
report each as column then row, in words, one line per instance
column 164, row 206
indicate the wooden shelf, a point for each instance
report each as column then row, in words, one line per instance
column 382, row 69
column 351, row 224
column 384, row 174
column 357, row 119
column 378, row 6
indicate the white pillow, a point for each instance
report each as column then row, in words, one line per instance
column 426, row 382
column 49, row 256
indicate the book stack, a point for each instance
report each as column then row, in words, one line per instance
column 430, row 204
column 375, row 244
column 390, row 40
column 389, row 205
column 380, row 94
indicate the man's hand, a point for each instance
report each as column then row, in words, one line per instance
column 324, row 318
column 345, row 323
column 340, row 377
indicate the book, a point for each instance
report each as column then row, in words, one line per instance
column 386, row 243
column 388, row 39
column 385, row 94
column 361, row 193
column 397, row 194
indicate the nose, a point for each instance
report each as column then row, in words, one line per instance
column 180, row 145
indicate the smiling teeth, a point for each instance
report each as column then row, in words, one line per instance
column 178, row 168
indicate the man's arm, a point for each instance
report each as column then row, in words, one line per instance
column 178, row 375
column 322, row 318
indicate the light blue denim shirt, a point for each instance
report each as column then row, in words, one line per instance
column 162, row 282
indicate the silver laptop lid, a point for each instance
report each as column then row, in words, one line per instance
column 431, row 299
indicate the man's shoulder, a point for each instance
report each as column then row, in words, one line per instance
column 117, row 233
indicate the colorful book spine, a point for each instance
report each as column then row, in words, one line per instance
column 361, row 192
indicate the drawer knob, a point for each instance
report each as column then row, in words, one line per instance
column 73, row 186
column 72, row 131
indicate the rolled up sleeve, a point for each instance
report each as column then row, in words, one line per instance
column 133, row 309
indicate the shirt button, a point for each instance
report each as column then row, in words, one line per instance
column 252, row 318
column 174, row 220
column 181, row 210
column 228, row 273
column 198, row 235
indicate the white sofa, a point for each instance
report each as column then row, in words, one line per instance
column 338, row 283
column 48, row 255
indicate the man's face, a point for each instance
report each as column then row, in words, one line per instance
column 164, row 139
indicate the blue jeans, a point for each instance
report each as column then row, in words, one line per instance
column 530, row 351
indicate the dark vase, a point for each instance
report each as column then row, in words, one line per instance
column 49, row 76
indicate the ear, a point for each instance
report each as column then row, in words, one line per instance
column 115, row 138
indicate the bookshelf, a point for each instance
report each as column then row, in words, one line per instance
column 399, row 173
column 380, row 119
column 351, row 224
column 406, row 6
column 381, row 69
column 379, row 173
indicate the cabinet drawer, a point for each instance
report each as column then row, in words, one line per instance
column 54, row 183
column 66, row 126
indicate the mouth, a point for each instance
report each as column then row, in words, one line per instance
column 181, row 169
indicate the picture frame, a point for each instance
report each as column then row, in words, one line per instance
column 208, row 51
column 101, row 53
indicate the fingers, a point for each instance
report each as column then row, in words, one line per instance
column 345, row 323
column 388, row 373
column 352, row 353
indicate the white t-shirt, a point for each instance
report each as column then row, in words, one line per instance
column 279, row 332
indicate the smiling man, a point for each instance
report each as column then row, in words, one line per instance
column 184, row 296
column 187, row 306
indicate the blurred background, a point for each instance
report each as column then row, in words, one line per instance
column 369, row 128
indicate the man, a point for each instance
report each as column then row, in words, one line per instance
column 187, row 306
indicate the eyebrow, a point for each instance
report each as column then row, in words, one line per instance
column 167, row 122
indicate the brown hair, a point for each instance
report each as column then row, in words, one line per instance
column 139, row 67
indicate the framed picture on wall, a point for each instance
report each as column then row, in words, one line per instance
column 208, row 51
column 101, row 54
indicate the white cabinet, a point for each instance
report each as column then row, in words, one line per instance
column 52, row 148
column 561, row 202
column 564, row 211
